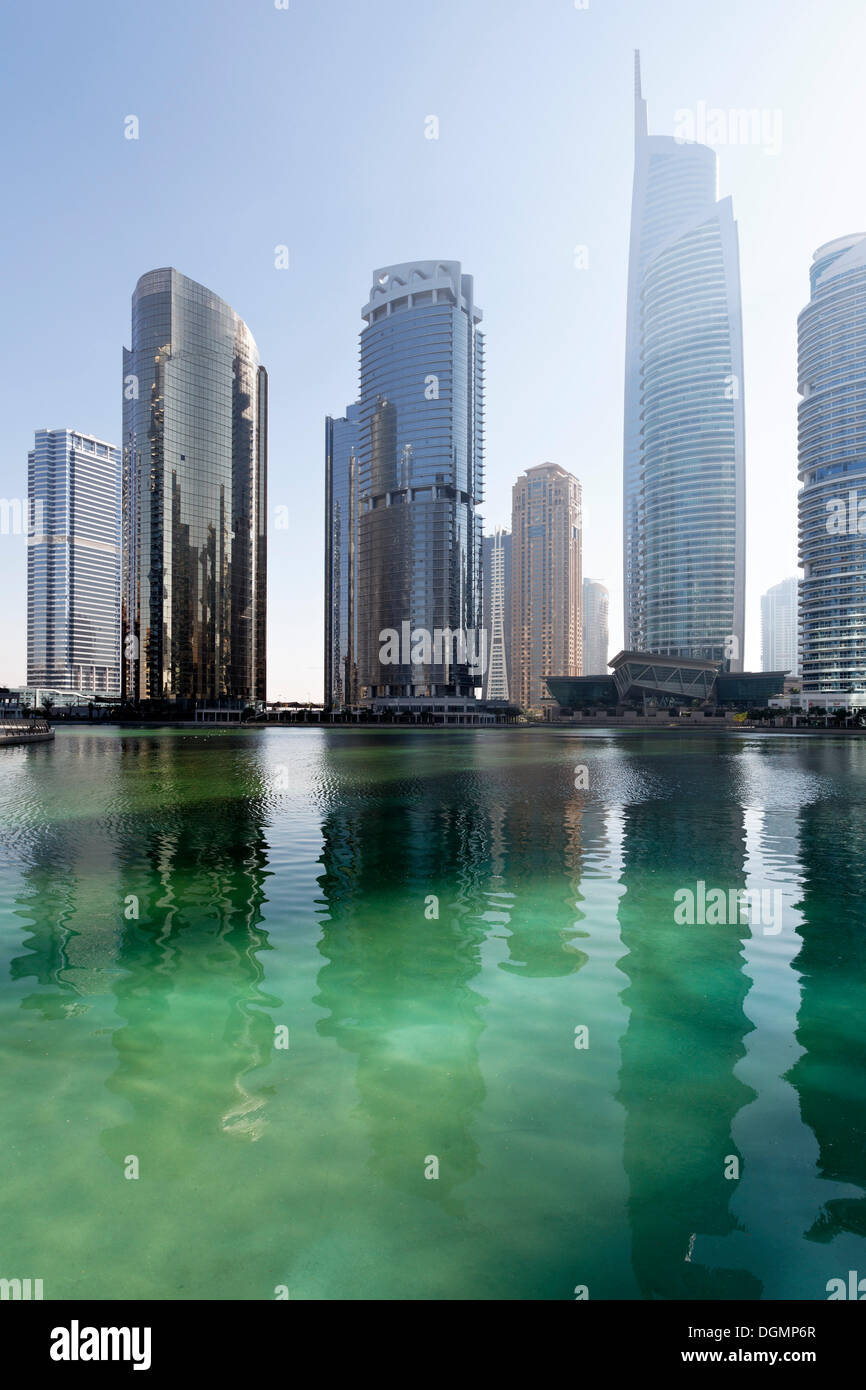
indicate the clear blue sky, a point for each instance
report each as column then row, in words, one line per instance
column 306, row 127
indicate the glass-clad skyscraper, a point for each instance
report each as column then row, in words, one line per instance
column 73, row 563
column 194, row 497
column 832, row 467
column 496, row 607
column 421, row 480
column 341, row 559
column 684, row 440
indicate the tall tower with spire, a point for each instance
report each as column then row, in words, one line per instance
column 684, row 428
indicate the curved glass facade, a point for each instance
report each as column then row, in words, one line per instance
column 684, row 454
column 194, row 498
column 420, row 477
column 832, row 469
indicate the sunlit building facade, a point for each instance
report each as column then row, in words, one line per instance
column 73, row 563
column 832, row 468
column 194, row 498
column 684, row 439
column 546, row 597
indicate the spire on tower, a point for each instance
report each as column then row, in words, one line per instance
column 640, row 121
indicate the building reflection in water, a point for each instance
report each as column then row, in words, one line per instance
column 193, row 957
column 183, row 848
column 397, row 986
column 686, row 1029
column 782, row 1188
column 449, row 1036
column 463, row 1027
column 70, row 891
column 543, row 850
column 830, row 1026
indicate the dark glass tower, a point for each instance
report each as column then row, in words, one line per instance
column 194, row 498
column 341, row 559
column 420, row 475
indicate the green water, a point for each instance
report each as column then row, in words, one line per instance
column 282, row 879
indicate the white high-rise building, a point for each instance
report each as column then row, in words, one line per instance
column 497, row 611
column 596, row 606
column 73, row 563
column 779, row 628
column 684, row 449
column 832, row 466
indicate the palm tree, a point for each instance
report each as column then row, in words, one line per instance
column 47, row 706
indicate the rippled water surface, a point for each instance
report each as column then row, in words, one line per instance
column 172, row 902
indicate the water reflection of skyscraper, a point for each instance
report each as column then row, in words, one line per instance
column 685, row 1033
column 157, row 902
column 544, row 870
column 829, row 1074
column 795, row 1211
column 70, row 890
column 197, row 869
column 397, row 983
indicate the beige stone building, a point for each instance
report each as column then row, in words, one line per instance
column 546, row 580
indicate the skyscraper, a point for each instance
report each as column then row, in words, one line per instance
column 341, row 559
column 194, row 498
column 596, row 605
column 832, row 468
column 496, row 603
column 684, row 450
column 546, row 625
column 779, row 628
column 421, row 480
column 73, row 563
